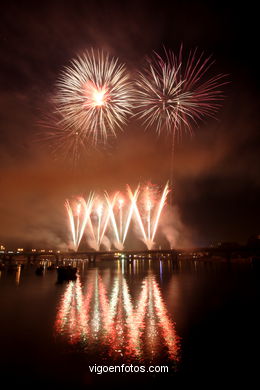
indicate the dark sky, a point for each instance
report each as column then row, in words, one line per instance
column 216, row 172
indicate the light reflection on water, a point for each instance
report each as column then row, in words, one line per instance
column 123, row 312
column 100, row 313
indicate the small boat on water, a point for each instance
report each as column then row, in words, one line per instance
column 39, row 270
column 66, row 273
column 51, row 267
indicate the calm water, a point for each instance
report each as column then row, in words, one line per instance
column 199, row 319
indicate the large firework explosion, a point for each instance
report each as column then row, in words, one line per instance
column 173, row 95
column 95, row 96
column 107, row 218
column 93, row 99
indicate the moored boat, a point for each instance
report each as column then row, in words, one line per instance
column 66, row 273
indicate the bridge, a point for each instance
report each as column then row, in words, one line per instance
column 192, row 254
column 93, row 255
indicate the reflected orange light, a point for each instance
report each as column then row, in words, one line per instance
column 113, row 320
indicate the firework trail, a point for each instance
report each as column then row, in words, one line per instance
column 94, row 98
column 148, row 221
column 110, row 206
column 120, row 223
column 162, row 203
column 99, row 215
column 78, row 215
column 99, row 224
column 96, row 225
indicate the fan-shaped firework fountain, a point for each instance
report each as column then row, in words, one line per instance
column 112, row 216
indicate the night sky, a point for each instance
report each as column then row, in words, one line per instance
column 216, row 172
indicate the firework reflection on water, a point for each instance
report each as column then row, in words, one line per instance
column 96, row 315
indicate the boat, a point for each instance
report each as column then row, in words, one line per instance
column 39, row 270
column 51, row 267
column 66, row 273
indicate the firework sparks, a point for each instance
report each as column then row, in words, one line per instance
column 148, row 221
column 78, row 218
column 99, row 223
column 120, row 225
column 172, row 95
column 159, row 210
column 98, row 216
column 93, row 98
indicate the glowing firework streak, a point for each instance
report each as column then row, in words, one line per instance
column 121, row 232
column 99, row 214
column 110, row 205
column 87, row 210
column 78, row 221
column 133, row 203
column 71, row 222
column 78, row 215
column 148, row 237
column 149, row 207
column 137, row 213
column 103, row 217
column 120, row 206
column 159, row 211
column 95, row 230
column 94, row 96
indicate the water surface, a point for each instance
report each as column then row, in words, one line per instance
column 199, row 319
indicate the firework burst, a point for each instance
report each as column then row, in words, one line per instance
column 173, row 95
column 94, row 97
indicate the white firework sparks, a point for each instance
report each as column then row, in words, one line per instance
column 172, row 95
column 94, row 97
